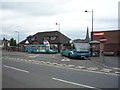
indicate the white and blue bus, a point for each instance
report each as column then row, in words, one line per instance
column 41, row 48
column 76, row 49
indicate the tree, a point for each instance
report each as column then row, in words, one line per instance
column 12, row 42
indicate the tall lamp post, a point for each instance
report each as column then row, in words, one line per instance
column 18, row 39
column 58, row 36
column 58, row 26
column 6, row 42
column 92, row 24
column 92, row 30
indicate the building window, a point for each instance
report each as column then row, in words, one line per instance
column 50, row 38
column 33, row 38
column 53, row 38
column 46, row 38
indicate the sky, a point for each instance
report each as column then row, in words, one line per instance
column 31, row 16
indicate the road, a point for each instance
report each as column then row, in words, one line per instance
column 26, row 70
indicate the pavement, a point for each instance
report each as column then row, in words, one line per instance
column 107, row 61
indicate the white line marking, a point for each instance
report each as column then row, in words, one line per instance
column 81, row 67
column 65, row 59
column 29, row 60
column 117, row 72
column 72, row 83
column 25, row 60
column 106, row 70
column 92, row 68
column 16, row 69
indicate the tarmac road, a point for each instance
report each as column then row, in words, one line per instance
column 25, row 70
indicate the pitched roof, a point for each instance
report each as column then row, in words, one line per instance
column 40, row 36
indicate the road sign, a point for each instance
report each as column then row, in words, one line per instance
column 45, row 42
column 103, row 39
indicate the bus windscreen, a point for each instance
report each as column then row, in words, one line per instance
column 82, row 46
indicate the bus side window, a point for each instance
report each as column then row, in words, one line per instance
column 63, row 48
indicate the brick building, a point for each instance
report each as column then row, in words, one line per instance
column 112, row 44
column 53, row 37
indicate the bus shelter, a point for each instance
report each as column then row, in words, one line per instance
column 95, row 48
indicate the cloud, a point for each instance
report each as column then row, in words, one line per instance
column 32, row 16
column 41, row 8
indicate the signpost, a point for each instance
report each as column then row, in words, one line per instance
column 103, row 40
column 45, row 42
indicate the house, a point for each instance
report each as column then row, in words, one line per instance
column 4, row 44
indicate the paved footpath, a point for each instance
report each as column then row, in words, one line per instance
column 108, row 61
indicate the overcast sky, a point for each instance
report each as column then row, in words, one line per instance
column 32, row 16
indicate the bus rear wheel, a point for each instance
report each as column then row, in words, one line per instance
column 82, row 57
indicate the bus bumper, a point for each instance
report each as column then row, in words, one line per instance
column 81, row 55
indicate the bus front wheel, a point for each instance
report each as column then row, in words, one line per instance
column 69, row 55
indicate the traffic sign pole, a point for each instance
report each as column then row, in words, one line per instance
column 103, row 53
column 103, row 40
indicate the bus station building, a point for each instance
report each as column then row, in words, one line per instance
column 53, row 37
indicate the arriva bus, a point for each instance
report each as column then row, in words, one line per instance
column 76, row 49
column 41, row 48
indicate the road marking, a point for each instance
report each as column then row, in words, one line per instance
column 65, row 59
column 76, row 68
column 16, row 69
column 48, row 62
column 21, row 59
column 73, row 83
column 117, row 72
column 106, row 70
column 115, row 68
column 54, row 63
column 81, row 67
column 33, row 56
column 25, row 60
column 29, row 60
column 92, row 68
column 71, row 65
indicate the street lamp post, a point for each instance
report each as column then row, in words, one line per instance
column 92, row 24
column 18, row 39
column 5, row 41
column 58, row 26
column 92, row 30
column 58, row 36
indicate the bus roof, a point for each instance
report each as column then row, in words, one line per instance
column 35, row 45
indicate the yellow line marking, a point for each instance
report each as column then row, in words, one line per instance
column 77, row 69
column 72, row 68
column 116, row 68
